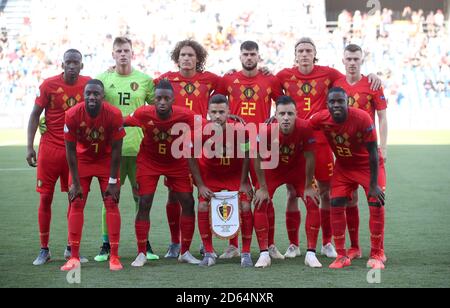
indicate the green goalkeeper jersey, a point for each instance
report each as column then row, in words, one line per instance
column 129, row 93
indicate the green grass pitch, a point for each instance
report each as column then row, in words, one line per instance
column 417, row 235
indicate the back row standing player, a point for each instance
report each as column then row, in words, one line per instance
column 308, row 85
column 127, row 89
column 56, row 95
column 361, row 96
column 250, row 93
column 193, row 87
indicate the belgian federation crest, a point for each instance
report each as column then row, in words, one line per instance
column 134, row 86
column 95, row 134
column 249, row 93
column 190, row 88
column 307, row 88
column 340, row 140
column 351, row 101
column 225, row 211
column 71, row 101
column 225, row 222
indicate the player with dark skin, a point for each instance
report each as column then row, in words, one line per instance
column 72, row 67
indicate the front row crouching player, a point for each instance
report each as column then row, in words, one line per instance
column 93, row 133
column 296, row 168
column 155, row 159
column 352, row 135
column 219, row 169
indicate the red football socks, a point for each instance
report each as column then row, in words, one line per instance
column 44, row 218
column 325, row 222
column 312, row 226
column 187, row 232
column 142, row 228
column 204, row 228
column 261, row 223
column 246, row 230
column 339, row 224
column 271, row 218
column 76, row 221
column 173, row 211
column 376, row 223
column 352, row 214
column 113, row 221
column 293, row 220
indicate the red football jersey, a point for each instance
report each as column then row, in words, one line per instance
column 309, row 91
column 94, row 136
column 192, row 93
column 362, row 97
column 158, row 138
column 294, row 145
column 250, row 97
column 56, row 97
column 348, row 140
column 231, row 156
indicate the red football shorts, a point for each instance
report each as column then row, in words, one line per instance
column 295, row 177
column 178, row 177
column 345, row 181
column 52, row 164
column 100, row 170
column 324, row 162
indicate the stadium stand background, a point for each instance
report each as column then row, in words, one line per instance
column 408, row 47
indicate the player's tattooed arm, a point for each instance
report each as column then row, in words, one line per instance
column 75, row 190
column 310, row 191
column 375, row 192
column 31, row 133
column 203, row 191
column 113, row 189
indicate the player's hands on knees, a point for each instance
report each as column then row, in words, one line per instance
column 113, row 191
column 31, row 158
column 75, row 192
column 377, row 194
column 247, row 189
column 375, row 82
column 205, row 192
column 261, row 196
column 313, row 194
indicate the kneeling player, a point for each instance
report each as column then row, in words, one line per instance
column 227, row 172
column 352, row 136
column 296, row 168
column 93, row 132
